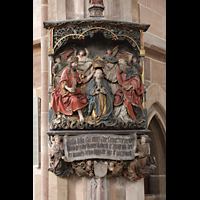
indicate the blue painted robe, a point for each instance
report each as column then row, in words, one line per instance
column 94, row 102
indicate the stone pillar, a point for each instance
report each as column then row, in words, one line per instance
column 126, row 10
column 115, row 188
column 79, row 9
column 135, row 190
column 44, row 102
column 61, row 10
column 99, row 189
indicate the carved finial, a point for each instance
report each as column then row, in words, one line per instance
column 96, row 8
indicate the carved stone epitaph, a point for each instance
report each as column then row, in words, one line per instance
column 97, row 112
column 115, row 147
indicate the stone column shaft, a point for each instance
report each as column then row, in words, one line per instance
column 44, row 102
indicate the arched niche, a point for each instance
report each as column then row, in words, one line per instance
column 97, row 45
column 156, row 104
column 156, row 114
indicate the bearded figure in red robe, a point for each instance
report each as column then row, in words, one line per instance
column 131, row 90
column 66, row 97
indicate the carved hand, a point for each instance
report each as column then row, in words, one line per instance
column 92, row 70
column 102, row 90
column 72, row 90
column 136, row 154
column 128, row 87
column 89, row 77
column 94, row 93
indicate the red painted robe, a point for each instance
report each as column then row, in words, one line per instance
column 131, row 98
column 65, row 101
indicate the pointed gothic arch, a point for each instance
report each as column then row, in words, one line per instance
column 156, row 104
column 156, row 115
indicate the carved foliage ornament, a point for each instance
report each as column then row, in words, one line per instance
column 61, row 35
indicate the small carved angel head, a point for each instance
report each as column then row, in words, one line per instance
column 134, row 59
column 57, row 139
column 81, row 53
column 109, row 52
column 89, row 163
column 58, row 60
column 111, row 166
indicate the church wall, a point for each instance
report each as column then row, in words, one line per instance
column 36, row 19
column 36, row 67
column 154, row 12
column 155, row 68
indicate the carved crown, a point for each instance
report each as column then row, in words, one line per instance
column 98, row 62
column 72, row 58
column 122, row 56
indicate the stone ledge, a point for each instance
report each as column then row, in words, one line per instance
column 150, row 197
column 154, row 42
column 36, row 43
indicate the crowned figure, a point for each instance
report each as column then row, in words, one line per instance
column 67, row 98
column 131, row 90
column 99, row 96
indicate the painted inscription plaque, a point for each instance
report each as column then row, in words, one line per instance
column 87, row 146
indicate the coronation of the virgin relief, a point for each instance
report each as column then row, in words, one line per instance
column 97, row 114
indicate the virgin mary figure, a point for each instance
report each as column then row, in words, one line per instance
column 100, row 100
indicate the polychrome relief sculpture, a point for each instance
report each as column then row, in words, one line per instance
column 106, row 90
column 99, row 97
column 97, row 113
column 130, row 89
column 67, row 98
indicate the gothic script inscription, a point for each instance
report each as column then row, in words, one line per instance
column 89, row 146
